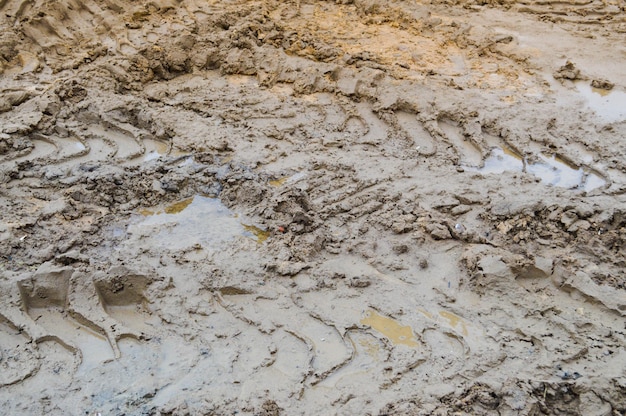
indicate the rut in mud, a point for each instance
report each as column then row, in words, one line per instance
column 312, row 207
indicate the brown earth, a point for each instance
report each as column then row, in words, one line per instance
column 299, row 207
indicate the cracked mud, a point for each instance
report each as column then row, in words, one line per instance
column 312, row 207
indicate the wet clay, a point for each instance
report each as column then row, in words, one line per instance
column 312, row 207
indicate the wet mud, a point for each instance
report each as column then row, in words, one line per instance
column 312, row 207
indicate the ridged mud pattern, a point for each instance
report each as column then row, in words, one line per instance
column 587, row 12
column 610, row 15
column 311, row 207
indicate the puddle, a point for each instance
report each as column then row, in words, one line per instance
column 41, row 148
column 278, row 182
column 126, row 145
column 98, row 150
column 71, row 147
column 155, row 149
column 176, row 152
column 502, row 160
column 390, row 328
column 178, row 207
column 454, row 321
column 287, row 179
column 174, row 208
column 198, row 221
column 593, row 181
column 610, row 105
column 556, row 171
column 552, row 170
column 260, row 234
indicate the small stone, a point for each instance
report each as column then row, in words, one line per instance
column 290, row 269
column 460, row 209
column 568, row 218
column 359, row 281
column 439, row 231
column 401, row 227
column 400, row 248
column 602, row 84
column 579, row 225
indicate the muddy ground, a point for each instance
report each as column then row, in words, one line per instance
column 312, row 207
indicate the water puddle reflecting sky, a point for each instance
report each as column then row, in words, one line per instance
column 551, row 170
column 610, row 105
column 198, row 221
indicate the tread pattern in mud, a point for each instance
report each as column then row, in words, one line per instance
column 412, row 229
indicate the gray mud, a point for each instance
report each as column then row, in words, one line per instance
column 312, row 207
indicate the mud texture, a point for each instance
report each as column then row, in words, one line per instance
column 312, row 207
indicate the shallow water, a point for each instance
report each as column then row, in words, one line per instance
column 155, row 149
column 200, row 222
column 500, row 160
column 551, row 170
column 287, row 180
column 610, row 105
column 70, row 147
column 398, row 334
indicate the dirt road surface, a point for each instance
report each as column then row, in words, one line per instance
column 312, row 207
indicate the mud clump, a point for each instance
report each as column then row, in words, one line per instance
column 602, row 84
column 568, row 71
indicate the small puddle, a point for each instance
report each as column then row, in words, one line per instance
column 552, row 170
column 41, row 149
column 501, row 160
column 557, row 171
column 195, row 221
column 155, row 149
column 260, row 234
column 178, row 207
column 71, row 147
column 287, row 179
column 610, row 105
column 176, row 152
column 471, row 333
column 278, row 182
column 127, row 146
column 398, row 334
column 455, row 321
